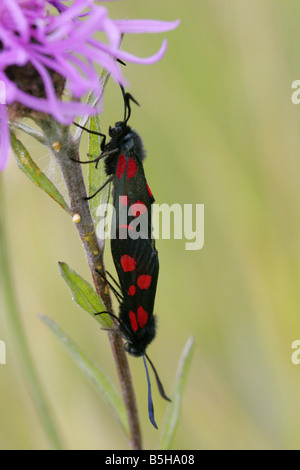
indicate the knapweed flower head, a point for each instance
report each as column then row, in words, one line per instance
column 49, row 46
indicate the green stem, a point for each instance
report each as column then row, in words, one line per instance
column 73, row 178
column 19, row 339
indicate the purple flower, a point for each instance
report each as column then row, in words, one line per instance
column 44, row 50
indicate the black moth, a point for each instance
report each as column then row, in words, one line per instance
column 133, row 248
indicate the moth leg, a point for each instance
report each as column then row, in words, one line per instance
column 98, row 190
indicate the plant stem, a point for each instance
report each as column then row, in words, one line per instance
column 14, row 320
column 65, row 150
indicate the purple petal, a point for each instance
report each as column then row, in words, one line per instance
column 65, row 44
column 145, row 26
column 112, row 32
column 63, row 111
column 18, row 17
column 58, row 5
column 103, row 57
column 14, row 57
column 126, row 56
column 4, row 137
column 70, row 13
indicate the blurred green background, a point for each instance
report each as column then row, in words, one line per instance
column 220, row 129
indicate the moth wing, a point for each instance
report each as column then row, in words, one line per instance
column 137, row 265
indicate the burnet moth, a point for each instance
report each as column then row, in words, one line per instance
column 133, row 251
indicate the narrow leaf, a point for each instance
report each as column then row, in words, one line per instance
column 34, row 173
column 93, row 372
column 93, row 101
column 97, row 176
column 173, row 411
column 84, row 295
column 21, row 126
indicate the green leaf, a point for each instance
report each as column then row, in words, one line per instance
column 93, row 100
column 93, row 372
column 34, row 173
column 84, row 295
column 173, row 411
column 97, row 177
column 21, row 126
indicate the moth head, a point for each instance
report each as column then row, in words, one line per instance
column 118, row 130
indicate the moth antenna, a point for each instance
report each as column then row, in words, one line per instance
column 127, row 108
column 150, row 401
column 159, row 384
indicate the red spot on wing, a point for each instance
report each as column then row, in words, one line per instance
column 131, row 290
column 123, row 231
column 121, row 165
column 128, row 263
column 142, row 317
column 131, row 168
column 128, row 227
column 133, row 320
column 137, row 209
column 123, row 200
column 144, row 281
